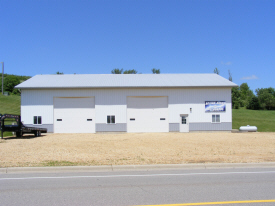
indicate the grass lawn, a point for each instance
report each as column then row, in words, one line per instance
column 264, row 120
column 9, row 105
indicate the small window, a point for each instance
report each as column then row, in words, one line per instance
column 37, row 120
column 132, row 119
column 216, row 118
column 162, row 118
column 89, row 119
column 111, row 119
column 183, row 120
column 59, row 120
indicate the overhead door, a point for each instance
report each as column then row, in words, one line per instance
column 147, row 114
column 74, row 115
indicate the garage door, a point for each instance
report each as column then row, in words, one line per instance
column 74, row 115
column 147, row 114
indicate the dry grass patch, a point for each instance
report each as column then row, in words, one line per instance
column 140, row 148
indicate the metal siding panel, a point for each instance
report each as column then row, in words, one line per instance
column 148, row 102
column 180, row 101
column 110, row 102
column 74, row 103
column 120, row 127
column 45, row 111
column 103, row 111
column 174, row 127
column 224, row 126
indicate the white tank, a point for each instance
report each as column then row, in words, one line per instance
column 248, row 128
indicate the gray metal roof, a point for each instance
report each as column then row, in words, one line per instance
column 124, row 80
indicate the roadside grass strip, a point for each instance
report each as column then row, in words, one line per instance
column 217, row 203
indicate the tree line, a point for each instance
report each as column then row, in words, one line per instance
column 243, row 96
column 10, row 81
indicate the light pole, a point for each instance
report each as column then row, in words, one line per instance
column 2, row 77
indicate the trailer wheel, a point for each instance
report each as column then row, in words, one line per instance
column 18, row 134
column 35, row 133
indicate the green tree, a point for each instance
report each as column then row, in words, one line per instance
column 10, row 82
column 59, row 72
column 254, row 103
column 132, row 71
column 216, row 71
column 117, row 71
column 155, row 71
column 271, row 91
column 246, row 95
column 266, row 98
column 235, row 95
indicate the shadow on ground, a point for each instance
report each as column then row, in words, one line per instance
column 24, row 137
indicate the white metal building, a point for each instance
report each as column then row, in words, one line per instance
column 127, row 103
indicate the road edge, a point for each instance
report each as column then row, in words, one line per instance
column 114, row 168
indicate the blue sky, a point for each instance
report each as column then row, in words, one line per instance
column 94, row 37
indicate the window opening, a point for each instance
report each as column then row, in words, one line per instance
column 37, row 120
column 216, row 118
column 183, row 120
column 111, row 119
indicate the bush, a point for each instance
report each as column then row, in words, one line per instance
column 254, row 103
column 236, row 105
column 10, row 82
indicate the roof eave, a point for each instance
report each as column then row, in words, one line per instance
column 133, row 87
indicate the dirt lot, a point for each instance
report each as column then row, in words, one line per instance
column 140, row 148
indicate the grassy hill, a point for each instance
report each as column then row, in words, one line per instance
column 10, row 104
column 264, row 120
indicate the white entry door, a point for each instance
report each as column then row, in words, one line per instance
column 74, row 115
column 184, row 123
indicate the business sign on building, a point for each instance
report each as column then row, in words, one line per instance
column 215, row 106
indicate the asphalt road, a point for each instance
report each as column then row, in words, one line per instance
column 138, row 187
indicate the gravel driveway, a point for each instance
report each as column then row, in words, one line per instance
column 137, row 148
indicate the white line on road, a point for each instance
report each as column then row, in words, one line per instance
column 149, row 175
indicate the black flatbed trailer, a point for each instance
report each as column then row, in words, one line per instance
column 19, row 128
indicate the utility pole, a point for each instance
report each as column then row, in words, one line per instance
column 2, row 77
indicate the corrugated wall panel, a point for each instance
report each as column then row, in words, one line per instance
column 45, row 111
column 224, row 126
column 115, row 101
column 111, row 127
column 102, row 111
column 174, row 127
